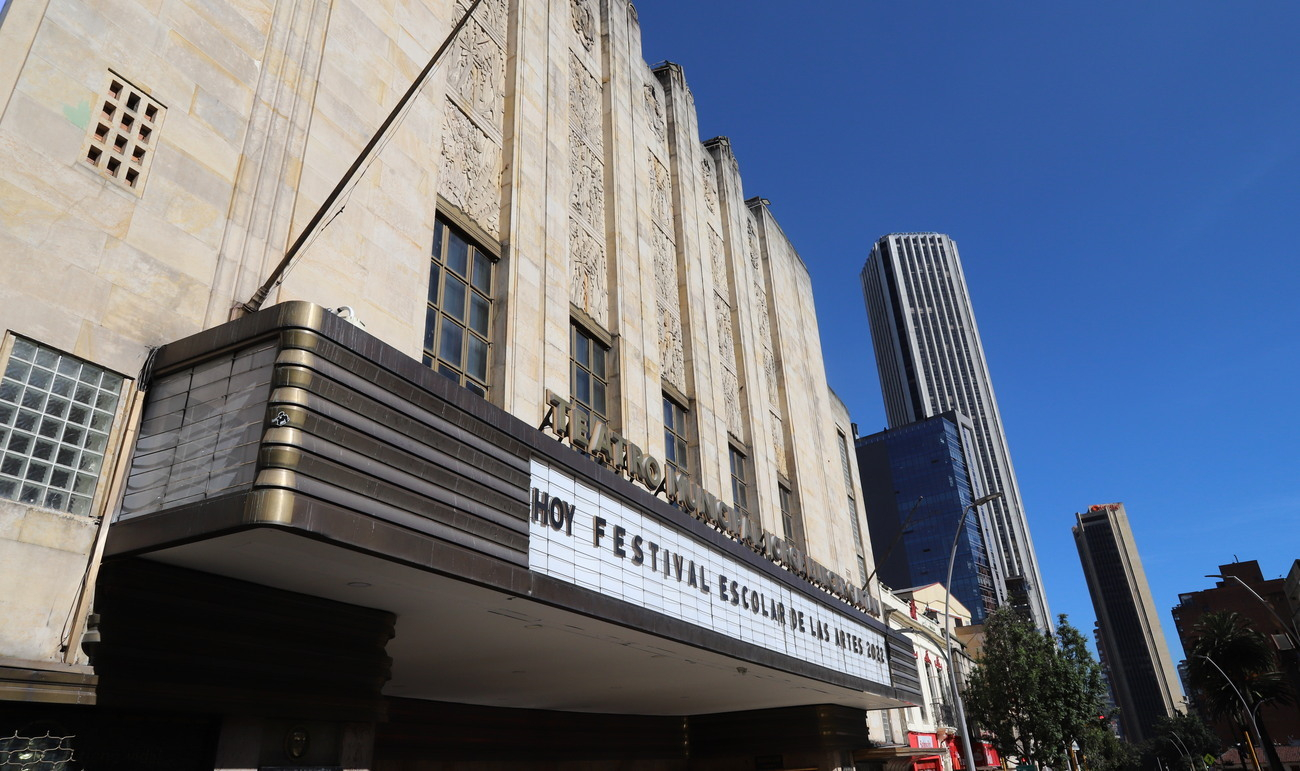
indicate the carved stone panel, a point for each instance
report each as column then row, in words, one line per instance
column 589, row 273
column 471, row 170
column 654, row 110
column 585, row 107
column 584, row 23
column 476, row 76
column 587, row 196
column 671, row 359
column 759, row 293
column 778, row 443
column 472, row 123
column 710, row 183
column 718, row 260
column 660, row 202
column 588, row 261
column 726, row 340
column 731, row 391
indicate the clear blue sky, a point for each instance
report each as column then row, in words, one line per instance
column 1123, row 182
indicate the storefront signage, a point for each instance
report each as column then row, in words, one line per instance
column 591, row 539
column 594, row 437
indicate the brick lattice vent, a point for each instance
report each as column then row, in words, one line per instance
column 123, row 133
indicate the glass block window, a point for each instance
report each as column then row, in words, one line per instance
column 458, row 319
column 55, row 414
column 123, row 133
column 675, row 445
column 589, row 370
column 739, row 480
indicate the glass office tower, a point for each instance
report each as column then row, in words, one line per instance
column 917, row 481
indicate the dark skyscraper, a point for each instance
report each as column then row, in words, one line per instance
column 1140, row 671
column 928, row 460
column 930, row 360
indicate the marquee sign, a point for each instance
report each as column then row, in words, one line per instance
column 604, row 445
column 590, row 539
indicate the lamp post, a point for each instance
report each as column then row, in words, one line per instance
column 1292, row 635
column 967, row 754
column 1250, row 713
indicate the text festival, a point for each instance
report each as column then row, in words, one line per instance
column 606, row 446
column 557, row 514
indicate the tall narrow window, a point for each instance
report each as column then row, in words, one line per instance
column 589, row 368
column 739, row 480
column 675, row 446
column 55, row 414
column 852, row 507
column 458, row 320
column 787, row 511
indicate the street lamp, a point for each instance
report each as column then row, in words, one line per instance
column 1287, row 629
column 1250, row 713
column 967, row 754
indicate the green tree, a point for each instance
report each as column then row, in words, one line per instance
column 1180, row 742
column 1229, row 663
column 1034, row 692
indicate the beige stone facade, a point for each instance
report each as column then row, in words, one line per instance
column 543, row 136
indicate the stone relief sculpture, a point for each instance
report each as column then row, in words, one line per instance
column 655, row 113
column 588, row 273
column 584, row 23
column 731, row 390
column 660, row 208
column 710, row 183
column 716, row 257
column 588, row 261
column 671, row 360
column 665, row 268
column 778, row 443
column 763, row 316
column 587, row 196
column 585, row 107
column 470, row 172
column 471, row 169
column 490, row 13
column 477, row 73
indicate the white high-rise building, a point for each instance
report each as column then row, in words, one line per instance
column 930, row 360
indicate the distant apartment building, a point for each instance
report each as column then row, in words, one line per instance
column 917, row 483
column 1140, row 671
column 930, row 360
column 1241, row 588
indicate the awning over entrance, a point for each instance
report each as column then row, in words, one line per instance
column 293, row 451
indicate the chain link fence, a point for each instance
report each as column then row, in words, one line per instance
column 36, row 753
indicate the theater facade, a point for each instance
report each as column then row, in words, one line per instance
column 529, row 459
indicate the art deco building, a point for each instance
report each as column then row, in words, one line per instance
column 930, row 360
column 1140, row 671
column 918, row 481
column 528, row 460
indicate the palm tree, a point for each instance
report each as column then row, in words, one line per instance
column 1229, row 664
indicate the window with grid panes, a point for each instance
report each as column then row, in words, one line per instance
column 675, row 446
column 739, row 480
column 787, row 511
column 458, row 320
column 589, row 372
column 55, row 414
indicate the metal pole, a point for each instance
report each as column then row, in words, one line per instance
column 1250, row 713
column 1287, row 629
column 967, row 754
column 255, row 302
